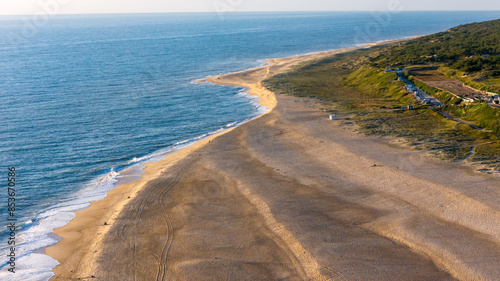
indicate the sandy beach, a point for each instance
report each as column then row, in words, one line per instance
column 290, row 195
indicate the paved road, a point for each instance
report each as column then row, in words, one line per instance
column 421, row 96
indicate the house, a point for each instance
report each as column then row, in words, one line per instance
column 411, row 88
column 496, row 99
column 427, row 101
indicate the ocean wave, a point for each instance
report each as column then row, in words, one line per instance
column 254, row 100
column 31, row 265
column 36, row 234
column 36, row 231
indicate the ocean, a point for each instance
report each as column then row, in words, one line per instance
column 84, row 97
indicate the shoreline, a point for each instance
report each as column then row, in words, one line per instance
column 92, row 218
column 70, row 250
column 235, row 207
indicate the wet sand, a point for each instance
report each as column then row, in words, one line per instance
column 290, row 196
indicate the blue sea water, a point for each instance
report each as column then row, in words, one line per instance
column 84, row 97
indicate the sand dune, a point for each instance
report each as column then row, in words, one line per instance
column 290, row 196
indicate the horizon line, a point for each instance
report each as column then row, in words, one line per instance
column 235, row 12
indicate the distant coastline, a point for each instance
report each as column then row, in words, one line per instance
column 136, row 98
column 78, row 247
column 355, row 186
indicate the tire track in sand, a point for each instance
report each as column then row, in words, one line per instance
column 160, row 201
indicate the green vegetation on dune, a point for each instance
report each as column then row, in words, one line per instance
column 487, row 152
column 481, row 114
column 470, row 53
column 344, row 79
column 424, row 129
column 350, row 84
column 471, row 47
column 379, row 85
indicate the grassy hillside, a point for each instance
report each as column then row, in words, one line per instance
column 470, row 53
column 461, row 47
column 350, row 84
column 345, row 79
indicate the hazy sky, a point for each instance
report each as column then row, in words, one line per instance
column 13, row 7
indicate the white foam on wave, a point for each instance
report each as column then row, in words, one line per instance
column 30, row 268
column 137, row 162
column 34, row 266
column 262, row 63
column 31, row 265
column 254, row 100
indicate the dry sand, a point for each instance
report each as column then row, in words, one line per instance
column 290, row 196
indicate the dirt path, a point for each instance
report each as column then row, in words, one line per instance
column 454, row 118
